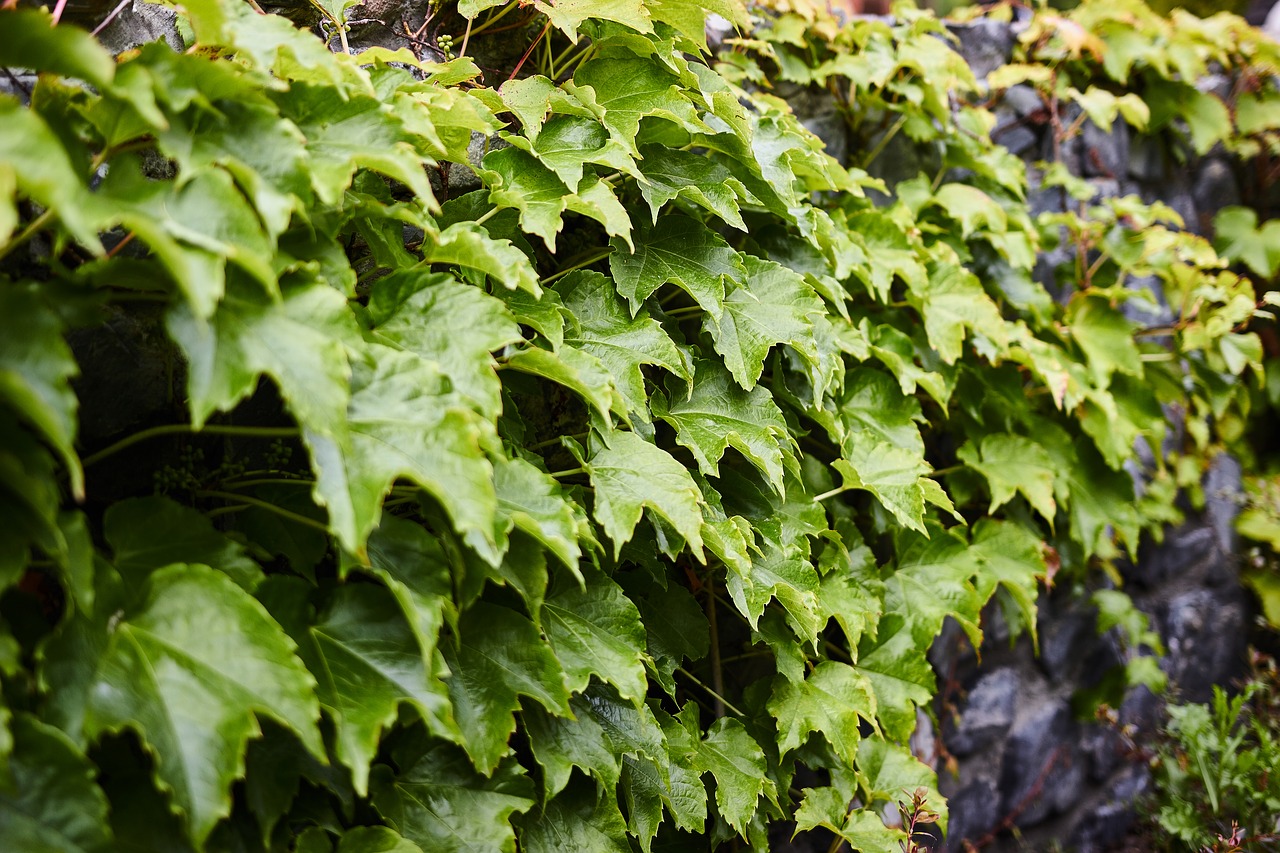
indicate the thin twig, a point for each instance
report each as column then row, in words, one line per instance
column 106, row 22
column 180, row 429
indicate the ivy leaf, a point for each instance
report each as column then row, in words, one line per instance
column 676, row 629
column 737, row 763
column 297, row 341
column 34, row 41
column 50, row 800
column 874, row 403
column 36, row 368
column 1012, row 464
column 834, row 700
column 412, row 563
column 516, row 179
column 630, row 474
column 771, row 307
column 892, row 475
column 565, row 144
column 889, row 772
column 624, row 90
column 781, row 572
column 188, row 666
column 375, row 839
column 899, row 675
column 605, row 329
column 531, row 500
column 1238, row 237
column 410, row 309
column 533, row 99
column 149, row 533
column 580, row 372
column 596, row 632
column 1106, row 336
column 719, row 415
column 671, row 173
column 679, row 250
column 934, row 580
column 830, row 807
column 441, row 804
column 952, row 300
column 595, row 198
column 561, row 743
column 568, row 15
column 403, row 423
column 366, row 663
column 469, row 245
column 690, row 18
column 1013, row 557
column 579, row 820
column 497, row 658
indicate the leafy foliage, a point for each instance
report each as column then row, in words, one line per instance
column 587, row 508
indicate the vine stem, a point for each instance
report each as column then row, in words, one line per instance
column 568, row 473
column 831, row 494
column 179, row 429
column 714, row 695
column 27, row 233
column 599, row 256
column 529, row 52
column 717, row 673
column 261, row 504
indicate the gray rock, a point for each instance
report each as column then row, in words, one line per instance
column 1183, row 549
column 1140, row 708
column 1023, row 100
column 1108, row 823
column 987, row 714
column 1063, row 641
column 1150, row 308
column 1016, row 136
column 974, row 811
column 1106, row 154
column 1205, row 639
column 1148, row 161
column 17, row 84
column 1223, row 496
column 1102, row 746
column 1038, row 750
column 139, row 24
column 985, row 44
column 1215, row 186
column 831, row 128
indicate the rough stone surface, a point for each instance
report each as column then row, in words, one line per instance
column 1205, row 637
column 985, row 44
column 987, row 714
column 1106, row 154
column 975, row 811
column 139, row 23
column 1040, row 745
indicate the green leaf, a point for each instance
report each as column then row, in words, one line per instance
column 834, row 700
column 1012, row 464
column 36, row 368
column 497, row 658
column 934, row 580
column 375, row 839
column 874, row 402
column 580, row 372
column 899, row 675
column 630, row 474
column 889, row 772
column 596, row 632
column 889, row 473
column 579, row 820
column 568, row 15
column 670, row 173
column 366, row 663
column 35, row 42
column 146, row 534
column 679, row 250
column 1013, row 557
column 517, row 179
column 1106, row 337
column 404, row 423
column 719, row 415
column 188, row 666
column 771, row 307
column 565, row 144
column 1238, row 237
column 50, row 801
column 469, row 245
column 413, row 309
column 438, row 802
column 785, row 574
column 561, row 743
column 737, row 763
column 531, row 500
column 862, row 828
column 951, row 300
column 412, row 563
column 604, row 328
column 37, row 164
column 622, row 90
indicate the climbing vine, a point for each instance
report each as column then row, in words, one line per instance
column 613, row 503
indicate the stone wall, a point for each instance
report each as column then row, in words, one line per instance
column 1010, row 751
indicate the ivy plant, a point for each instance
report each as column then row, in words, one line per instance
column 612, row 504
